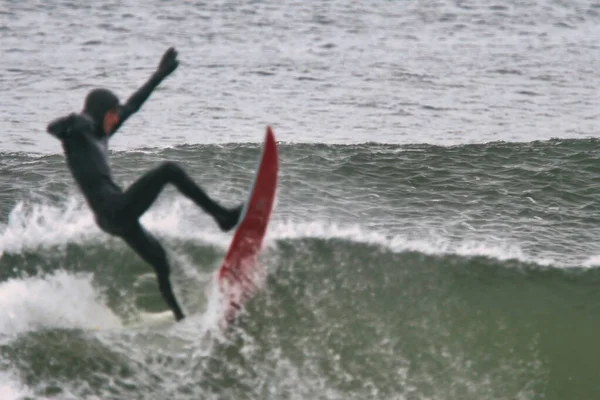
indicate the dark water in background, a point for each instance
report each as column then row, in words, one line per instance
column 456, row 269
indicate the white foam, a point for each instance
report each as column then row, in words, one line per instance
column 60, row 300
column 181, row 219
column 32, row 226
column 38, row 225
column 210, row 323
column 434, row 244
column 11, row 388
column 593, row 261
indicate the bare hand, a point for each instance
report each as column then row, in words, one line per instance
column 168, row 63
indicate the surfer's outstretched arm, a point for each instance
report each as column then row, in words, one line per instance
column 167, row 65
column 142, row 193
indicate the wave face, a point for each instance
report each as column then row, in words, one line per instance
column 415, row 271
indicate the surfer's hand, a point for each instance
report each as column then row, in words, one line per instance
column 168, row 63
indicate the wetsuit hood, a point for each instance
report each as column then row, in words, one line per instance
column 98, row 102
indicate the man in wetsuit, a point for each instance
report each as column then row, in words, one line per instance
column 84, row 138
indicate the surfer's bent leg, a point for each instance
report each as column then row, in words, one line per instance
column 142, row 193
column 151, row 251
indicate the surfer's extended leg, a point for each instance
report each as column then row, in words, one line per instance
column 142, row 193
column 151, row 251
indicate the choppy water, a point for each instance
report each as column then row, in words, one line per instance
column 393, row 272
column 430, row 239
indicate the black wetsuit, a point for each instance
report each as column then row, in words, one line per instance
column 117, row 211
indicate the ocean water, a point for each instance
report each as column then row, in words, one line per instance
column 436, row 228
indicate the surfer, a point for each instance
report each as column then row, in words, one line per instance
column 84, row 138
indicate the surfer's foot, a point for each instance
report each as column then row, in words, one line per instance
column 228, row 220
column 177, row 313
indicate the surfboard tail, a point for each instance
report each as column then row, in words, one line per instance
column 238, row 286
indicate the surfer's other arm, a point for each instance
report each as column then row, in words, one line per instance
column 167, row 65
column 62, row 127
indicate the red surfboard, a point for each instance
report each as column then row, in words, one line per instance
column 240, row 269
